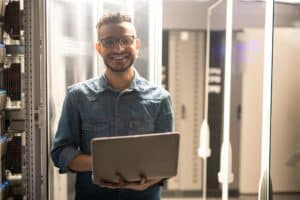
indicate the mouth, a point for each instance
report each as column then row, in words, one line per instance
column 119, row 62
column 119, row 57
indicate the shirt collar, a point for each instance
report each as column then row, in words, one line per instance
column 136, row 83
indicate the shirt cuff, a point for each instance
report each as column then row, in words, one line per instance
column 163, row 182
column 66, row 155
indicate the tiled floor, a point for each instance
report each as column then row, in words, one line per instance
column 244, row 197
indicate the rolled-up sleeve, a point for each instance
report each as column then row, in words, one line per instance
column 66, row 141
column 164, row 121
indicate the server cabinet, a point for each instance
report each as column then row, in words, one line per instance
column 186, row 75
column 186, row 85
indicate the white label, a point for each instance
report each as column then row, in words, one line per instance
column 215, row 79
column 216, row 89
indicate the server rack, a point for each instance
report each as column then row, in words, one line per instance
column 12, row 100
column 22, row 93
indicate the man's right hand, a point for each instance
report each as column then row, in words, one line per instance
column 141, row 185
column 81, row 163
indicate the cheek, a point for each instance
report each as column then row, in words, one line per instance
column 105, row 54
column 133, row 51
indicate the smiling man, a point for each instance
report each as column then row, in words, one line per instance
column 119, row 102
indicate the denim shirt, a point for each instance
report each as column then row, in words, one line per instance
column 94, row 109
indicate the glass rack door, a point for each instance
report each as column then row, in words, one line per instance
column 71, row 56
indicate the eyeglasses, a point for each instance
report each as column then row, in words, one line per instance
column 111, row 42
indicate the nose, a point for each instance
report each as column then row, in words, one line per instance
column 119, row 46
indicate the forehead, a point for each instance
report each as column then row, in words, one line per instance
column 116, row 30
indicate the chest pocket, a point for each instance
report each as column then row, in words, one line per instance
column 140, row 126
column 90, row 131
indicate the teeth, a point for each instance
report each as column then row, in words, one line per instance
column 118, row 57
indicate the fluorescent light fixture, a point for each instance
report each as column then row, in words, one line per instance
column 155, row 48
column 225, row 175
column 187, row 1
column 276, row 1
column 184, row 35
column 264, row 186
column 288, row 1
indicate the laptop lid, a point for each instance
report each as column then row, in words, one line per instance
column 150, row 155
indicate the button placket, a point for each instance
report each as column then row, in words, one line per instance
column 117, row 114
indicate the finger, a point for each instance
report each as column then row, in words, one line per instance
column 143, row 179
column 121, row 178
column 139, row 187
column 134, row 186
column 107, row 184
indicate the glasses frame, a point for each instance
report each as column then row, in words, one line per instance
column 117, row 41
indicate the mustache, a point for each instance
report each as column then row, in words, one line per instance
column 117, row 54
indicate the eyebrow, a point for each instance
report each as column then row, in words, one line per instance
column 118, row 37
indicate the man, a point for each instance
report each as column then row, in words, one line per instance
column 120, row 102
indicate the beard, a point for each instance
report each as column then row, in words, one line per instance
column 121, row 68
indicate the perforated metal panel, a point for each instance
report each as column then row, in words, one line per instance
column 34, row 13
column 186, row 83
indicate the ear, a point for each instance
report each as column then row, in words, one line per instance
column 138, row 43
column 99, row 48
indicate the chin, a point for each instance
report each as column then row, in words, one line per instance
column 118, row 69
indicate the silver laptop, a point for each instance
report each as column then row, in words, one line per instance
column 149, row 155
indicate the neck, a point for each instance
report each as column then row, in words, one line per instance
column 120, row 80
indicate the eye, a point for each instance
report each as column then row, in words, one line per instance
column 127, row 40
column 108, row 42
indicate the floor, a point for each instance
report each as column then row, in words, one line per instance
column 244, row 197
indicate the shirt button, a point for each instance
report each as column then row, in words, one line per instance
column 130, row 124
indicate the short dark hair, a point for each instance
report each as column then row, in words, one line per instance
column 113, row 18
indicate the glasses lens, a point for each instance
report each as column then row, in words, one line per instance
column 127, row 40
column 108, row 42
column 112, row 42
